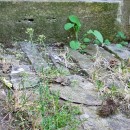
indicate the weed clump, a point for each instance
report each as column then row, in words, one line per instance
column 55, row 114
column 109, row 107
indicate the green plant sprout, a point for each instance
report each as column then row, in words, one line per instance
column 121, row 39
column 41, row 39
column 98, row 38
column 74, row 23
column 99, row 84
column 30, row 32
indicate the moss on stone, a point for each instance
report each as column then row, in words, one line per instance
column 49, row 19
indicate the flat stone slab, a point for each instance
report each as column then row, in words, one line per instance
column 34, row 56
column 79, row 91
column 84, row 61
column 92, row 50
column 99, row 69
column 119, row 122
column 94, row 122
column 22, row 77
column 3, row 94
column 122, row 53
column 58, row 62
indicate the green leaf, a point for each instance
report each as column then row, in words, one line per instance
column 99, row 84
column 83, row 46
column 113, row 88
column 87, row 40
column 117, row 36
column 75, row 19
column 98, row 36
column 119, row 45
column 124, row 43
column 75, row 45
column 107, row 42
column 82, row 51
column 97, row 42
column 68, row 26
column 121, row 35
column 90, row 31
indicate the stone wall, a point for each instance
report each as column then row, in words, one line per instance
column 126, row 17
column 108, row 1
column 49, row 18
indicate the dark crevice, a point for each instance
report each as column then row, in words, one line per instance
column 26, row 20
column 85, row 104
column 105, row 48
column 29, row 19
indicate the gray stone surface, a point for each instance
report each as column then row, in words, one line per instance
column 108, row 1
column 119, row 122
column 34, row 56
column 57, row 60
column 80, row 91
column 123, row 52
column 5, row 126
column 94, row 122
column 84, row 61
column 22, row 77
column 3, row 95
column 91, row 49
column 96, row 69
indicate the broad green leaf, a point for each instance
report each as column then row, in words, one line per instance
column 87, row 40
column 98, row 36
column 97, row 42
column 107, row 42
column 75, row 45
column 119, row 45
column 75, row 19
column 68, row 26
